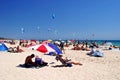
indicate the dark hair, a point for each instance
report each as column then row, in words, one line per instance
column 60, row 55
column 32, row 55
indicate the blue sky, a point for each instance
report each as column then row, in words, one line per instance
column 74, row 19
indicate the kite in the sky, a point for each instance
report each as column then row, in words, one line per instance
column 38, row 27
column 22, row 30
column 49, row 29
column 53, row 16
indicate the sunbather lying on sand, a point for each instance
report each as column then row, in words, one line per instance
column 66, row 61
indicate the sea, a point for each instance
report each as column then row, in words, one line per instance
column 114, row 42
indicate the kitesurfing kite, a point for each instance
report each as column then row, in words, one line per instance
column 22, row 30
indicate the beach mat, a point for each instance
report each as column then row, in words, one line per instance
column 24, row 66
column 30, row 66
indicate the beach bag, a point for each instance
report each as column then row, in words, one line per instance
column 26, row 66
column 69, row 64
column 38, row 60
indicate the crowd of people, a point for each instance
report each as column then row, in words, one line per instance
column 15, row 49
column 84, row 46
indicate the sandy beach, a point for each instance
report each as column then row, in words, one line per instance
column 93, row 68
column 59, row 40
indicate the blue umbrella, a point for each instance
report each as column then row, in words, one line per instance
column 3, row 47
column 108, row 44
column 55, row 48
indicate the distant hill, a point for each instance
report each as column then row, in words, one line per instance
column 6, row 38
column 2, row 38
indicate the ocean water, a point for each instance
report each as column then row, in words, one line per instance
column 114, row 42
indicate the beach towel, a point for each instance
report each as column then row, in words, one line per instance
column 25, row 66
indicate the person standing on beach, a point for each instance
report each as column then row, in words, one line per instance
column 62, row 47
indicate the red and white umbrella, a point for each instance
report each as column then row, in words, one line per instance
column 42, row 48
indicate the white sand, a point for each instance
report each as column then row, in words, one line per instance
column 93, row 68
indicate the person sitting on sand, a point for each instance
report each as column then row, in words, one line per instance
column 15, row 49
column 87, row 49
column 29, row 62
column 110, row 48
column 18, row 49
column 76, row 47
column 66, row 62
column 10, row 49
column 83, row 47
column 40, row 62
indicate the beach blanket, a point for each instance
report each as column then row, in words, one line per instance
column 24, row 66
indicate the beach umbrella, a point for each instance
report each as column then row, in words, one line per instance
column 108, row 44
column 45, row 48
column 1, row 40
column 3, row 47
column 42, row 48
column 58, row 51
